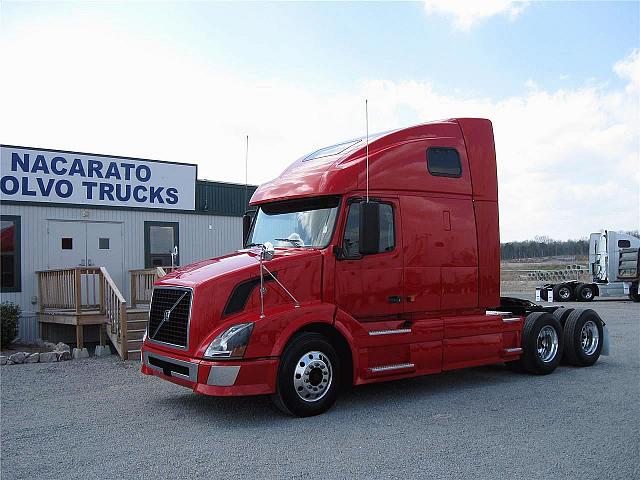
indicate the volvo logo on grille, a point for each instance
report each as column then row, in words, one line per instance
column 167, row 314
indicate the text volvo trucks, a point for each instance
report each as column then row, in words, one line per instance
column 353, row 275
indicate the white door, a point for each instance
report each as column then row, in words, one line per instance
column 90, row 244
column 105, row 249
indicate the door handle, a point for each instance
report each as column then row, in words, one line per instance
column 395, row 299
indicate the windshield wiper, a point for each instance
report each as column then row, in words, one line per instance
column 294, row 242
column 249, row 245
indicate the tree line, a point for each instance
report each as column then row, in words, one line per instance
column 543, row 246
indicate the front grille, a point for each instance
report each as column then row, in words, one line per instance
column 169, row 316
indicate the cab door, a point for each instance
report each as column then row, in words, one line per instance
column 370, row 287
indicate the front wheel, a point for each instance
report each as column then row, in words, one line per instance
column 308, row 377
column 585, row 292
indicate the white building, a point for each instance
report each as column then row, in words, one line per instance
column 65, row 209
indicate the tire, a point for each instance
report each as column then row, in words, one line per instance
column 544, row 295
column 583, row 336
column 561, row 314
column 563, row 292
column 585, row 292
column 633, row 292
column 542, row 344
column 308, row 379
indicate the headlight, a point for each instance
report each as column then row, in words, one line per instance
column 231, row 343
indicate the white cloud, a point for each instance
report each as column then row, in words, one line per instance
column 568, row 160
column 466, row 13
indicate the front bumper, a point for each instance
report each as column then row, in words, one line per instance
column 229, row 378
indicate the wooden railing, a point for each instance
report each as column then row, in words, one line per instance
column 114, row 307
column 142, row 281
column 77, row 289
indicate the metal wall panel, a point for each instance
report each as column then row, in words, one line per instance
column 201, row 236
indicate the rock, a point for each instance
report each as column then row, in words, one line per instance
column 33, row 358
column 9, row 362
column 3, row 360
column 63, row 355
column 18, row 357
column 49, row 346
column 48, row 357
column 78, row 353
column 102, row 351
column 60, row 347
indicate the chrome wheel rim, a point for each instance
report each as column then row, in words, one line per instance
column 312, row 376
column 589, row 338
column 587, row 293
column 564, row 293
column 547, row 344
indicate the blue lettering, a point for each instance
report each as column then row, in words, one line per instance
column 136, row 190
column 16, row 161
column 155, row 194
column 119, row 195
column 9, row 189
column 139, row 173
column 54, row 165
column 89, row 186
column 95, row 168
column 77, row 168
column 45, row 189
column 106, row 191
column 67, row 191
column 127, row 170
column 172, row 196
column 25, row 188
column 40, row 165
column 112, row 171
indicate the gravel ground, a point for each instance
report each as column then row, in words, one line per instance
column 100, row 418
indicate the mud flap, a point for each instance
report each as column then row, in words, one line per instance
column 605, row 341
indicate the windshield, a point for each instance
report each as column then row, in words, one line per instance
column 296, row 223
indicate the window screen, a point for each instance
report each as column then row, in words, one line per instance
column 351, row 241
column 444, row 162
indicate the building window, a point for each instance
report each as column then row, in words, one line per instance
column 160, row 238
column 67, row 243
column 10, row 249
column 103, row 244
column 351, row 242
column 444, row 162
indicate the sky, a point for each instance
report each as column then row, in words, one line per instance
column 187, row 81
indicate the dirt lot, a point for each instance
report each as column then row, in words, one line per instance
column 101, row 418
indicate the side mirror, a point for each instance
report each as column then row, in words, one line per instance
column 369, row 228
column 268, row 251
column 246, row 226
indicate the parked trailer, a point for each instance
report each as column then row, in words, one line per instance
column 364, row 262
column 614, row 266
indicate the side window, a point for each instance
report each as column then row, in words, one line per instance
column 351, row 240
column 444, row 162
column 624, row 243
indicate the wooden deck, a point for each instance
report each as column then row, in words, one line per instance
column 88, row 296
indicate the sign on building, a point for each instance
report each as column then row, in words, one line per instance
column 52, row 176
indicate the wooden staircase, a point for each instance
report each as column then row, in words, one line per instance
column 88, row 296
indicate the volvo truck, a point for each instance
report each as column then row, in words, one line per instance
column 371, row 260
column 614, row 268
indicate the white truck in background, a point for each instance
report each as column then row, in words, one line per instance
column 614, row 266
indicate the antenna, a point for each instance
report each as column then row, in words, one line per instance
column 366, row 114
column 246, row 174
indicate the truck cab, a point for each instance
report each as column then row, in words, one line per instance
column 365, row 261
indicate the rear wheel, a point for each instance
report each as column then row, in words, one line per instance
column 561, row 314
column 585, row 292
column 562, row 292
column 583, row 336
column 542, row 344
column 308, row 376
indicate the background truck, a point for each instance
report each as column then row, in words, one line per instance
column 614, row 267
column 371, row 260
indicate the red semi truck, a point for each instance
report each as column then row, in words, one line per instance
column 370, row 260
